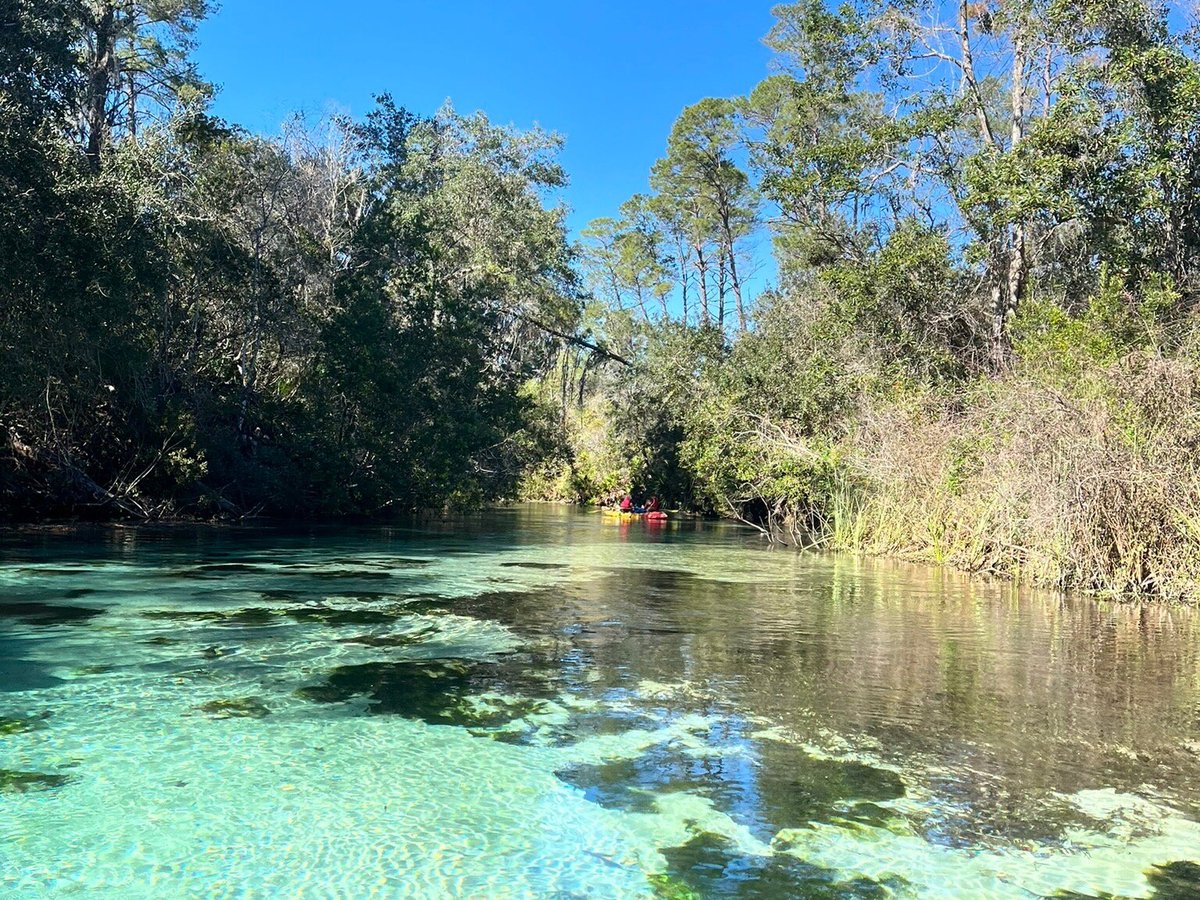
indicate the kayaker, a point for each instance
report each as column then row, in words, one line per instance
column 653, row 505
column 627, row 503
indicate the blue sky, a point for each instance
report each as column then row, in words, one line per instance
column 609, row 75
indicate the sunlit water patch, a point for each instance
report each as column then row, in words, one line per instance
column 548, row 704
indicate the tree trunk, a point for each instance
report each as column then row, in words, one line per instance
column 1048, row 80
column 99, row 84
column 702, row 273
column 682, row 249
column 1014, row 287
column 133, row 111
column 735, row 281
column 722, row 289
column 970, row 81
column 999, row 306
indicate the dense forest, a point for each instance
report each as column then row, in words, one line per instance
column 929, row 290
column 200, row 321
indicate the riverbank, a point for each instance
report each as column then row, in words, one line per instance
column 1075, row 469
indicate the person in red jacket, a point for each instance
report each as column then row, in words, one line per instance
column 627, row 503
column 653, row 506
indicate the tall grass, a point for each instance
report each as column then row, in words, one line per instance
column 1090, row 485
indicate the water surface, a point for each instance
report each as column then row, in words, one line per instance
column 545, row 703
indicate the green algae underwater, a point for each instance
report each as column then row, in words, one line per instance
column 538, row 702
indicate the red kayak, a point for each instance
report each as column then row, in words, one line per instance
column 656, row 517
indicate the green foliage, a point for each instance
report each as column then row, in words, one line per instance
column 626, row 261
column 905, row 305
column 706, row 201
column 202, row 321
column 1063, row 347
column 38, row 74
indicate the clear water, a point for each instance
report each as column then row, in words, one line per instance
column 544, row 703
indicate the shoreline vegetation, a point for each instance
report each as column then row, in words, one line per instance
column 979, row 345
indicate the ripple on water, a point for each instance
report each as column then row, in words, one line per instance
column 509, row 721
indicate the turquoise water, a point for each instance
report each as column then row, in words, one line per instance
column 544, row 703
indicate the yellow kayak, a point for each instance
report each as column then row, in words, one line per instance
column 617, row 514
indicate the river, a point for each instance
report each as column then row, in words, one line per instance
column 542, row 702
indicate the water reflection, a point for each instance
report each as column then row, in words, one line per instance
column 1038, row 693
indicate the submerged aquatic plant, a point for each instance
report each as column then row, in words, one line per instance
column 666, row 887
column 19, row 725
column 1175, row 881
column 95, row 669
column 15, row 782
column 710, row 865
column 440, row 692
column 235, row 708
column 247, row 617
column 333, row 616
column 390, row 640
column 36, row 613
column 261, row 616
